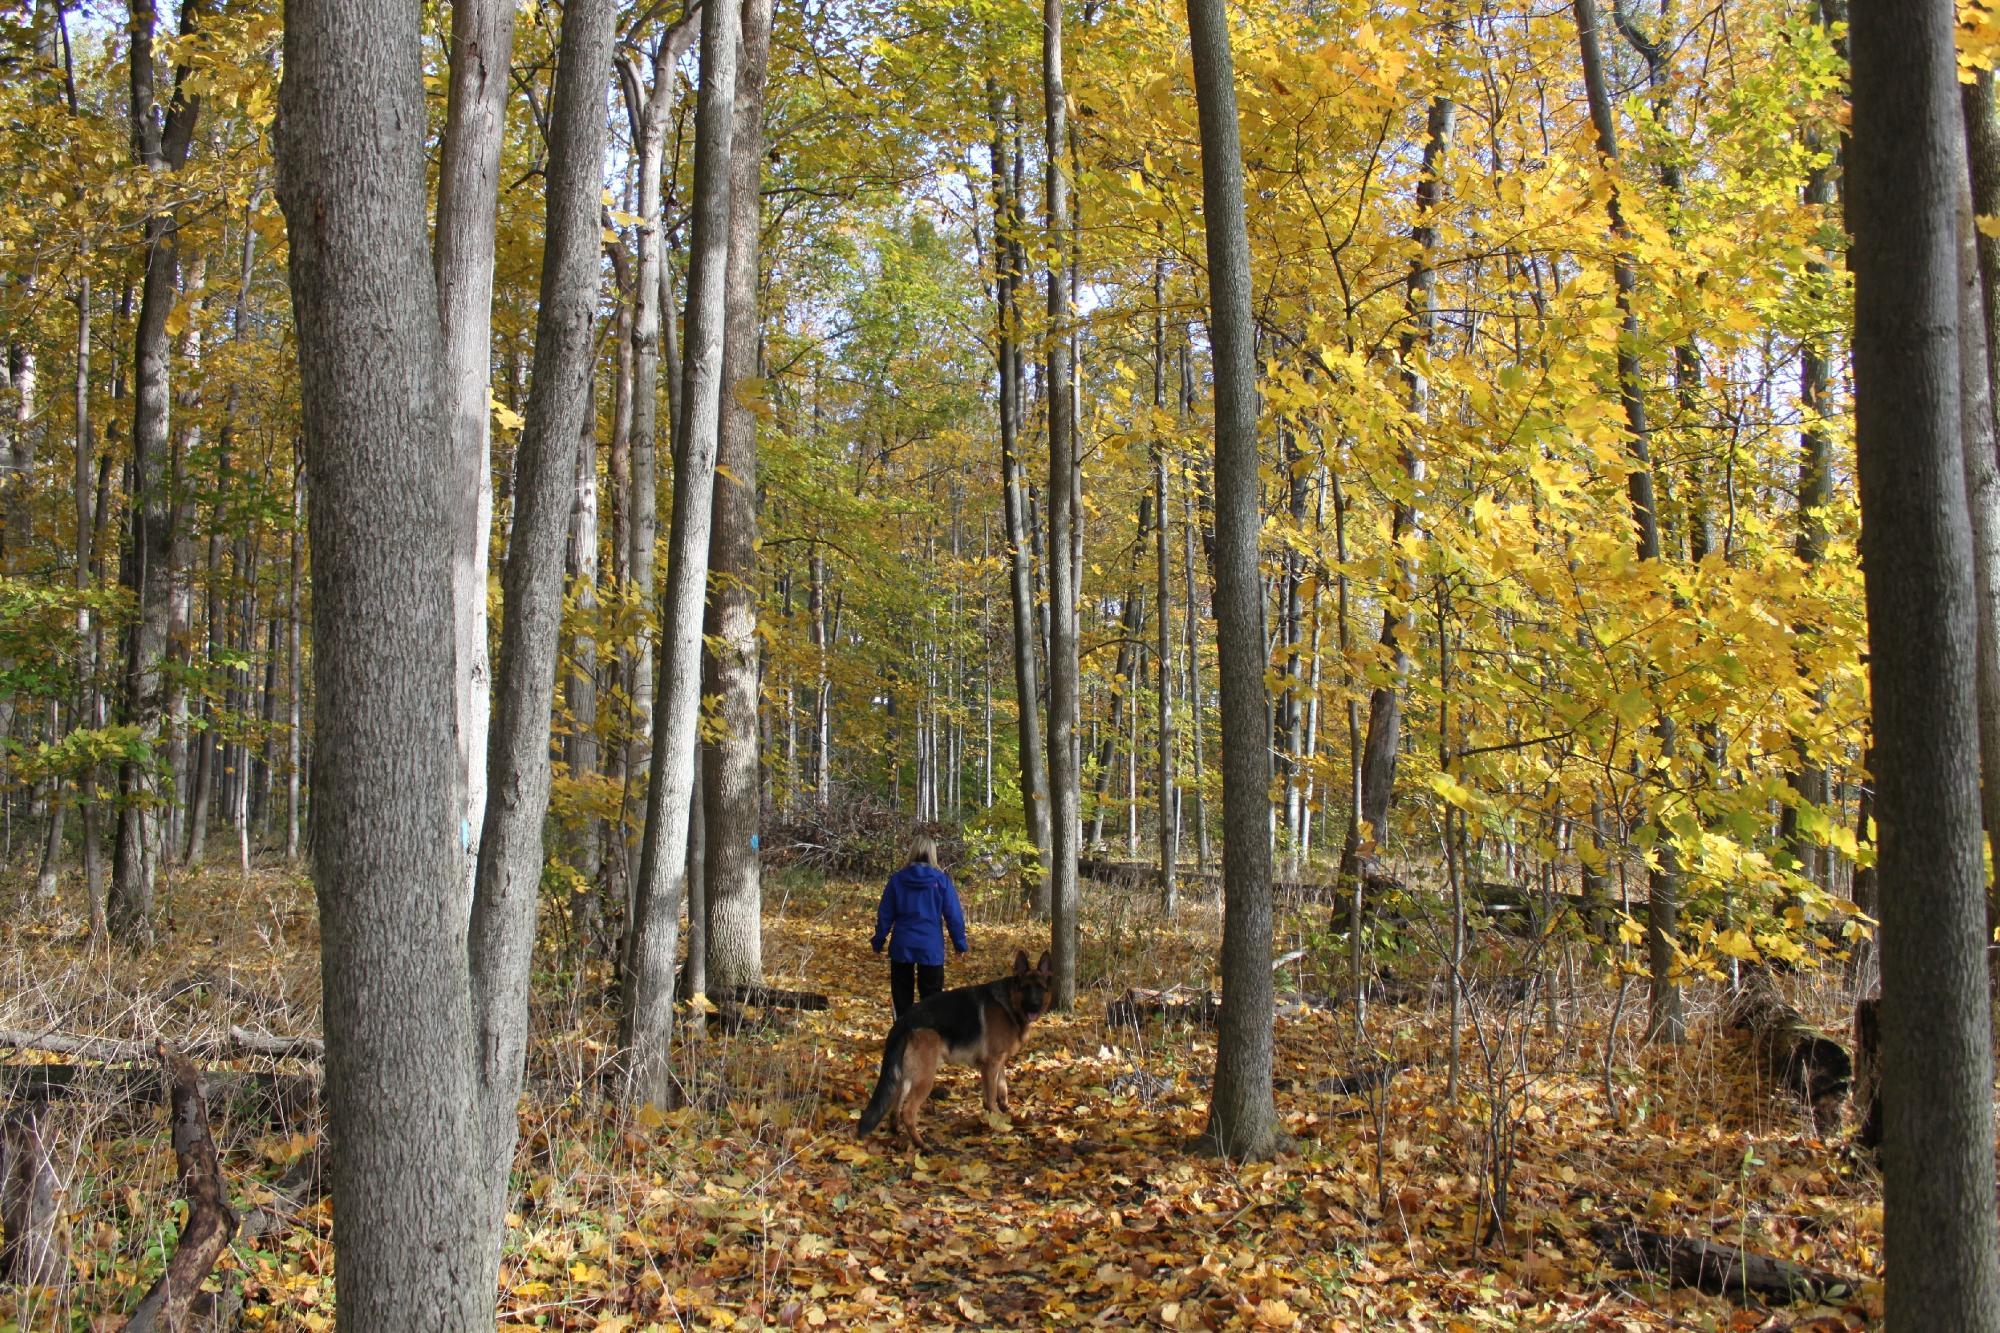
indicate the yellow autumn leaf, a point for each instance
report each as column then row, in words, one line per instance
column 1737, row 944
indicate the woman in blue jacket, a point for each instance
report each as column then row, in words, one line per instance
column 918, row 905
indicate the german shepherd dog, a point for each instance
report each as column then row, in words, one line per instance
column 971, row 1025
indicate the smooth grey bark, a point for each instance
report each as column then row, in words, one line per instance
column 653, row 934
column 1905, row 179
column 581, row 691
column 1195, row 695
column 1982, row 476
column 482, row 46
column 732, row 799
column 1665, row 1021
column 649, row 111
column 695, row 982
column 1064, row 829
column 1009, row 273
column 409, row 1201
column 518, row 763
column 159, row 144
column 1242, row 1119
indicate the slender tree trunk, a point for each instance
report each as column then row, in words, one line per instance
column 295, row 666
column 1242, row 1119
column 1807, row 779
column 1008, row 277
column 733, row 789
column 160, row 144
column 409, row 1197
column 1665, row 1021
column 1905, row 182
column 581, row 691
column 87, row 693
column 510, row 847
column 655, row 928
column 649, row 109
column 1195, row 695
column 1163, row 597
column 1385, row 708
column 141, row 816
column 1063, row 825
column 482, row 46
column 1982, row 479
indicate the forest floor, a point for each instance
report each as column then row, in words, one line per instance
column 755, row 1206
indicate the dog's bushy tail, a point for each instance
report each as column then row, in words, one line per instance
column 885, row 1086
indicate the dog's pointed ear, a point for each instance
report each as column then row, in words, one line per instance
column 1020, row 962
column 1047, row 967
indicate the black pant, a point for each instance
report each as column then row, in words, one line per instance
column 910, row 981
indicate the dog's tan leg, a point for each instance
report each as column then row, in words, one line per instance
column 920, row 1065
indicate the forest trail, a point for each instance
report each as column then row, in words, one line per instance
column 754, row 1206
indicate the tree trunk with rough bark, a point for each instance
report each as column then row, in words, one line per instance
column 1665, row 1021
column 653, row 934
column 1008, row 277
column 732, row 797
column 508, row 889
column 409, row 1200
column 1242, row 1118
column 159, row 144
column 1905, row 179
column 649, row 112
column 1064, row 828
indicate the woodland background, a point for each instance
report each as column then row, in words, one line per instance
column 832, row 350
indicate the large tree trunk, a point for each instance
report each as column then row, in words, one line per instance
column 1008, row 276
column 653, row 934
column 510, row 846
column 733, row 797
column 1665, row 1021
column 1063, row 822
column 409, row 1198
column 1905, row 180
column 482, row 45
column 1242, row 1119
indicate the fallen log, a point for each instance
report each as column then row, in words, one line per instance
column 1719, row 1270
column 771, row 997
column 36, row 1253
column 1361, row 1080
column 1174, row 1005
column 210, row 1220
column 287, row 1100
column 239, row 1041
column 1790, row 1050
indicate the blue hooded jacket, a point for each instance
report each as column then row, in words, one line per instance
column 918, row 904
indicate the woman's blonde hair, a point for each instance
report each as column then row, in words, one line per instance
column 923, row 848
